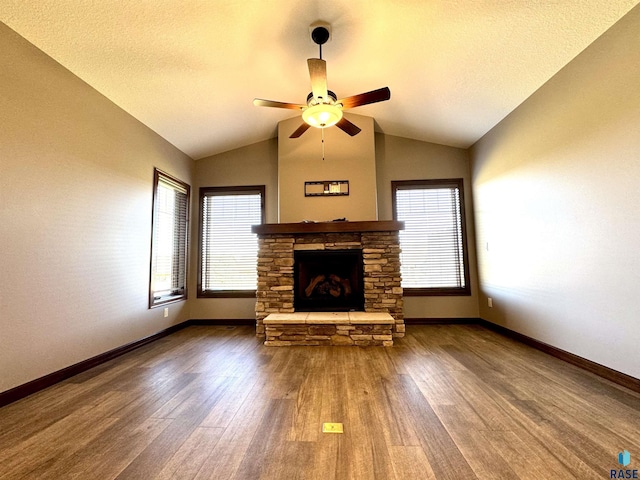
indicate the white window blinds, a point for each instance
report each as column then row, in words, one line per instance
column 169, row 240
column 433, row 257
column 229, row 249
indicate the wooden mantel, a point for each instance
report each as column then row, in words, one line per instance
column 328, row 227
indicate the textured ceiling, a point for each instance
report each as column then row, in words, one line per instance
column 190, row 69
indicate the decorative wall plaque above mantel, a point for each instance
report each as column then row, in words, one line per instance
column 326, row 188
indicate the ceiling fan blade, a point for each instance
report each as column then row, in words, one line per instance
column 348, row 127
column 258, row 102
column 300, row 130
column 318, row 74
column 379, row 95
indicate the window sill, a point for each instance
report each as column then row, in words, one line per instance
column 167, row 300
column 437, row 292
column 228, row 294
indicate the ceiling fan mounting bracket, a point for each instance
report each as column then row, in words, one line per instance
column 320, row 32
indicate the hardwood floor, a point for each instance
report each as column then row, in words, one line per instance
column 445, row 402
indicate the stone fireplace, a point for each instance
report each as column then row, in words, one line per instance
column 339, row 257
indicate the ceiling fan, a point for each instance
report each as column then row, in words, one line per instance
column 323, row 109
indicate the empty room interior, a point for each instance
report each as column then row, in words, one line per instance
column 425, row 266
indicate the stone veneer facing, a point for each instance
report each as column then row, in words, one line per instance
column 381, row 260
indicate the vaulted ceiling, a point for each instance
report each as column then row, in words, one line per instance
column 190, row 69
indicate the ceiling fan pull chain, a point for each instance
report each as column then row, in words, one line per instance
column 322, row 132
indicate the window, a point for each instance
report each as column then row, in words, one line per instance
column 434, row 246
column 170, row 222
column 228, row 248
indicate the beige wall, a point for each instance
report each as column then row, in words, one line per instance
column 255, row 164
column 558, row 207
column 75, row 217
column 346, row 158
column 404, row 159
column 396, row 159
column 555, row 196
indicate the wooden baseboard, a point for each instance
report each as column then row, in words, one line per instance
column 224, row 321
column 29, row 388
column 620, row 378
column 441, row 321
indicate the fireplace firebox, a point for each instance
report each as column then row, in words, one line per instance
column 328, row 280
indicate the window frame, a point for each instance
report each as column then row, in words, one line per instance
column 435, row 184
column 239, row 190
column 159, row 175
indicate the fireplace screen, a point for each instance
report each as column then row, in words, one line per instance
column 328, row 280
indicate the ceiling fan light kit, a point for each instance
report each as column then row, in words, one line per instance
column 323, row 109
column 322, row 115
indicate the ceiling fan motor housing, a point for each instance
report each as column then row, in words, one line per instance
column 332, row 98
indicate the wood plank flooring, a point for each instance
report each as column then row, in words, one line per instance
column 445, row 402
